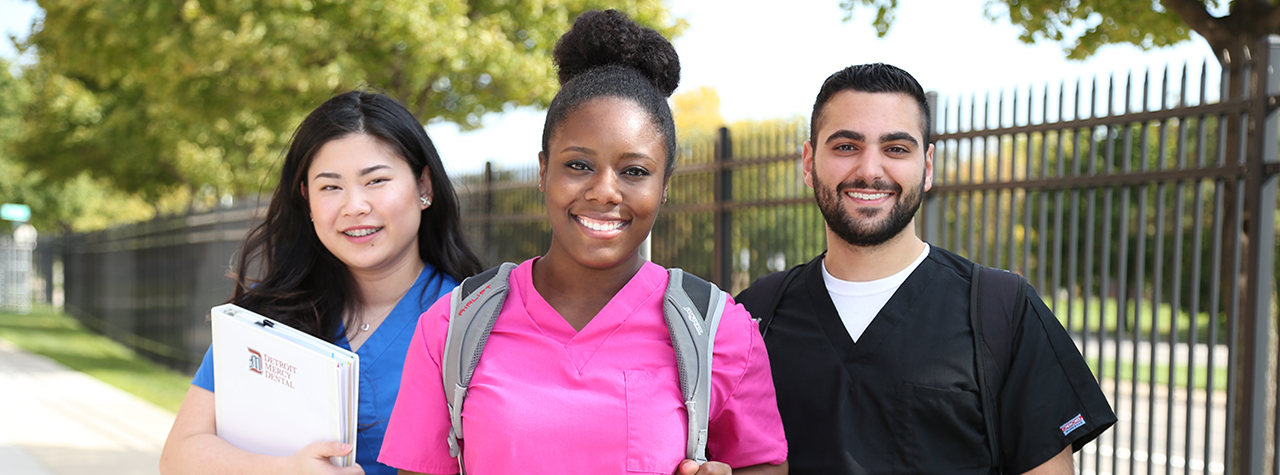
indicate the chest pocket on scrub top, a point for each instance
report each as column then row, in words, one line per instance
column 656, row 431
column 940, row 429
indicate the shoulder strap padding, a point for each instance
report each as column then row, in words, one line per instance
column 996, row 298
column 692, row 308
column 764, row 295
column 473, row 308
column 1000, row 300
column 470, row 284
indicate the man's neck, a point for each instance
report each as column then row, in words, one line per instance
column 864, row 264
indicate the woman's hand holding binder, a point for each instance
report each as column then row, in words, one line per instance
column 314, row 459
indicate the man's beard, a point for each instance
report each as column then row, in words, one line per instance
column 866, row 234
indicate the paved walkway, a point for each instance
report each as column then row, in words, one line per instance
column 56, row 421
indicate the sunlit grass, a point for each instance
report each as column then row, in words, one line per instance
column 1200, row 375
column 1105, row 314
column 61, row 338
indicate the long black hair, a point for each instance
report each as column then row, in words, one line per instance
column 606, row 54
column 304, row 285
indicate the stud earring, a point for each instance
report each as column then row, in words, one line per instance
column 426, row 202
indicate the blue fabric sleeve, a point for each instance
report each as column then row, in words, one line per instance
column 204, row 374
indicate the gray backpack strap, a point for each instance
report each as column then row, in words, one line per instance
column 473, row 308
column 692, row 308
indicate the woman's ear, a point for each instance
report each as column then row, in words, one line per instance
column 424, row 186
column 542, row 171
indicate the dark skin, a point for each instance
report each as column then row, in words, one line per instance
column 604, row 180
column 606, row 162
column 578, row 304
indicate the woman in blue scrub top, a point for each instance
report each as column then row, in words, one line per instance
column 362, row 235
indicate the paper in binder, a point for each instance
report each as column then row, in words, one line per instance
column 277, row 389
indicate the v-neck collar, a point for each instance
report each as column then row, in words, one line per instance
column 580, row 346
column 895, row 312
column 401, row 318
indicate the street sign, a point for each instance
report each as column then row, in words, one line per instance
column 15, row 212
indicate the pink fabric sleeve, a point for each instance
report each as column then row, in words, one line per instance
column 745, row 428
column 419, row 422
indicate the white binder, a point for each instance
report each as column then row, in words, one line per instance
column 277, row 389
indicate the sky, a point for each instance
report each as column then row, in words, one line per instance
column 767, row 60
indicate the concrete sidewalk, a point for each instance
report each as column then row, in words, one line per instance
column 56, row 421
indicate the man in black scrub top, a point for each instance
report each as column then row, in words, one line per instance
column 871, row 347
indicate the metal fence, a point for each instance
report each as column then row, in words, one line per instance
column 1142, row 207
column 1145, row 213
column 151, row 285
column 15, row 269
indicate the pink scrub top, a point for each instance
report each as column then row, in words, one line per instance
column 548, row 399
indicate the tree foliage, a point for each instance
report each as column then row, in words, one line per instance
column 199, row 97
column 696, row 112
column 80, row 203
column 1083, row 26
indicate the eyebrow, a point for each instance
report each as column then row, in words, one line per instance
column 900, row 136
column 363, row 172
column 845, row 134
column 590, row 152
column 857, row 136
column 582, row 150
column 366, row 171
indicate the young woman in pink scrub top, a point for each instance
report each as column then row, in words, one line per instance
column 579, row 375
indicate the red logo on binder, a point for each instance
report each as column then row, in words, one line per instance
column 255, row 361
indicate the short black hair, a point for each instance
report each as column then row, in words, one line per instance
column 873, row 78
column 606, row 54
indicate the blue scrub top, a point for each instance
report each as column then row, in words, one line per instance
column 381, row 362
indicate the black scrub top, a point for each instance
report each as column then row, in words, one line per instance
column 904, row 398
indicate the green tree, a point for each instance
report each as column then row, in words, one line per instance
column 199, row 97
column 81, row 203
column 1083, row 26
column 696, row 112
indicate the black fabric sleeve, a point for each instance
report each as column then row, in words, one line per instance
column 1050, row 399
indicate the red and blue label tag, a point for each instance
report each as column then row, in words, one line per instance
column 1072, row 424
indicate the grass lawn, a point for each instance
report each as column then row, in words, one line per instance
column 1200, row 377
column 61, row 338
column 1105, row 314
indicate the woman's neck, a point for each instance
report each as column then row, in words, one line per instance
column 578, row 292
column 384, row 287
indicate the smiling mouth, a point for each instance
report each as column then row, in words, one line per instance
column 866, row 196
column 361, row 232
column 598, row 225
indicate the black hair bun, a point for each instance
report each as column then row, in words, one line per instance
column 600, row 38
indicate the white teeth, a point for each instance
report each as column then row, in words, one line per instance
column 361, row 232
column 600, row 225
column 866, row 196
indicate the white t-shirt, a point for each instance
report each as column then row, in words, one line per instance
column 859, row 302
